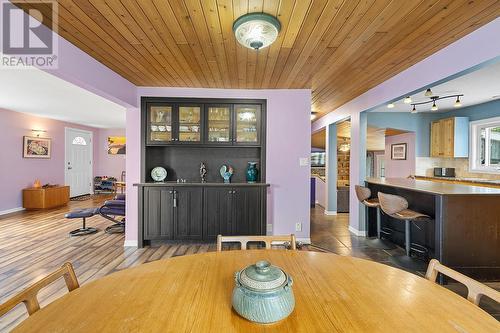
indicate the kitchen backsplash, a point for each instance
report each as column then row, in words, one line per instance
column 425, row 167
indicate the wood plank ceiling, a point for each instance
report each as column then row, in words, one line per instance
column 337, row 48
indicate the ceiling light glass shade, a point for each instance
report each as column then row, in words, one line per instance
column 457, row 103
column 390, row 105
column 256, row 30
column 313, row 116
column 428, row 92
column 434, row 107
column 414, row 110
column 407, row 100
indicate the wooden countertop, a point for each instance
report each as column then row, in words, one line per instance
column 193, row 294
column 434, row 187
column 173, row 183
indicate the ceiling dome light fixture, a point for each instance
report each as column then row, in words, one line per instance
column 407, row 100
column 256, row 30
column 390, row 105
column 428, row 92
column 457, row 102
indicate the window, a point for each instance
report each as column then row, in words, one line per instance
column 485, row 145
column 79, row 141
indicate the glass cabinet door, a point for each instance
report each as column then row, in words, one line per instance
column 247, row 124
column 219, row 124
column 160, row 124
column 189, row 124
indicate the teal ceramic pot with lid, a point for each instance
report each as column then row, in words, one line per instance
column 263, row 293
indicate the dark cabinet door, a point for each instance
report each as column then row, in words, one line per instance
column 159, row 124
column 218, row 212
column 158, row 213
column 188, row 124
column 247, row 124
column 247, row 218
column 188, row 213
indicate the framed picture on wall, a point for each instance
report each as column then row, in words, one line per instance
column 398, row 151
column 116, row 145
column 35, row 147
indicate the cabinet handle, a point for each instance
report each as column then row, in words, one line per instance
column 175, row 199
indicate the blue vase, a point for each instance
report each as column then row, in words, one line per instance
column 252, row 172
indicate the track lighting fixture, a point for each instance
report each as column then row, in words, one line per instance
column 434, row 106
column 434, row 99
column 428, row 92
column 390, row 105
column 407, row 100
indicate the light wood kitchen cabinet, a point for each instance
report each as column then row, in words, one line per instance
column 450, row 137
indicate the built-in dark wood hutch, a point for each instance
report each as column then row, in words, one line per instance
column 180, row 133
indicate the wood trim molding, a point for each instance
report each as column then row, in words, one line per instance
column 357, row 232
column 12, row 210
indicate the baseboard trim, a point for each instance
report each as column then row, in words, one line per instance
column 330, row 212
column 131, row 243
column 304, row 240
column 357, row 232
column 9, row 211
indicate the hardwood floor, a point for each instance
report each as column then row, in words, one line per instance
column 33, row 244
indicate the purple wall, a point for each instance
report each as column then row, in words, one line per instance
column 288, row 139
column 400, row 168
column 17, row 172
column 109, row 165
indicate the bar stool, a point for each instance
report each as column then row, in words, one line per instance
column 363, row 194
column 397, row 207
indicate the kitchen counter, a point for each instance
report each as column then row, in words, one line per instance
column 463, row 230
column 433, row 187
column 463, row 180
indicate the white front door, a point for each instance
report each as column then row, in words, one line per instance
column 78, row 161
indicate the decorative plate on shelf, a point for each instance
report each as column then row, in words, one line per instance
column 159, row 174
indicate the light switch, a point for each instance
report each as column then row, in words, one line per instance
column 304, row 161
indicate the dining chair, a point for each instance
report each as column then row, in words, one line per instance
column 268, row 240
column 29, row 295
column 475, row 289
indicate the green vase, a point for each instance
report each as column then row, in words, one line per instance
column 252, row 173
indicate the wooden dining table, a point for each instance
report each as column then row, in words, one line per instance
column 193, row 294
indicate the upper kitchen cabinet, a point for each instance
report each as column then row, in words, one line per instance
column 450, row 137
column 174, row 123
column 159, row 123
column 247, row 124
column 188, row 124
column 219, row 124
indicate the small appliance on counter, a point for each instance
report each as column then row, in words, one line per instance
column 444, row 172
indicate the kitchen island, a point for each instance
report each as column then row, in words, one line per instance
column 464, row 232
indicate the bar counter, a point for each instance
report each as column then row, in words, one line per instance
column 464, row 232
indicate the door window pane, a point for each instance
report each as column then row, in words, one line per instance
column 189, row 123
column 160, row 123
column 79, row 141
column 247, row 123
column 219, row 124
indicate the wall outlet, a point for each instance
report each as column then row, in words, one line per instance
column 269, row 227
column 298, row 226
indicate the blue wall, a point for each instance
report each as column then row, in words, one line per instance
column 420, row 123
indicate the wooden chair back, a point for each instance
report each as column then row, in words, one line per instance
column 268, row 240
column 475, row 288
column 29, row 295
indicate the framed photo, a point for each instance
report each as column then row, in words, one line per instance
column 116, row 145
column 398, row 151
column 35, row 147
